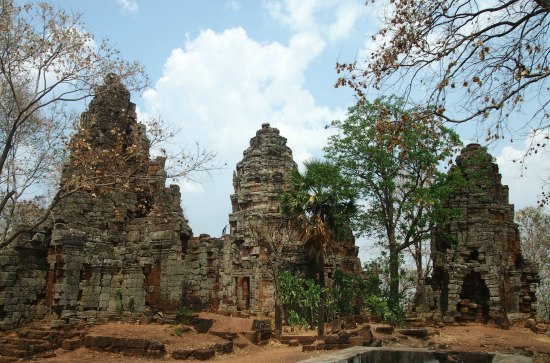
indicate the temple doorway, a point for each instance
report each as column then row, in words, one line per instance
column 474, row 299
column 242, row 285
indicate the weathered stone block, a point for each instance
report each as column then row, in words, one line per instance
column 204, row 354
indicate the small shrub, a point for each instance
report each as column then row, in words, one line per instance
column 178, row 331
column 184, row 315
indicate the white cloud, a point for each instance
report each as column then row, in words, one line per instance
column 334, row 19
column 128, row 6
column 220, row 87
column 525, row 184
column 232, row 4
column 346, row 16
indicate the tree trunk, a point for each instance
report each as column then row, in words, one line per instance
column 419, row 267
column 278, row 319
column 278, row 309
column 394, row 272
column 321, row 317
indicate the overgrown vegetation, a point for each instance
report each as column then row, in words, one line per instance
column 184, row 315
column 391, row 152
column 320, row 203
column 347, row 296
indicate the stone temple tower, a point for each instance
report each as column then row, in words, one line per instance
column 259, row 180
column 479, row 272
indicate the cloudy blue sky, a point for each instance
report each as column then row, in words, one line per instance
column 219, row 69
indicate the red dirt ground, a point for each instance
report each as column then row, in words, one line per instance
column 471, row 337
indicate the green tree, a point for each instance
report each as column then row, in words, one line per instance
column 321, row 204
column 534, row 226
column 392, row 155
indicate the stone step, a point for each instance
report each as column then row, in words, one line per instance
column 10, row 350
column 225, row 335
column 31, row 345
column 302, row 339
column 39, row 334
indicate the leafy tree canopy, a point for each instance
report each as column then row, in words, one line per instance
column 392, row 154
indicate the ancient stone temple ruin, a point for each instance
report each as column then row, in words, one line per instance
column 259, row 181
column 479, row 273
column 107, row 252
column 118, row 246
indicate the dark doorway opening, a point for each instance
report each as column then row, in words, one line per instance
column 474, row 299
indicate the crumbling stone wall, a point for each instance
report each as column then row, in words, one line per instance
column 479, row 273
column 118, row 246
column 23, row 271
column 202, row 267
column 114, row 245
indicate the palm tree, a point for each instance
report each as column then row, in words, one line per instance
column 320, row 202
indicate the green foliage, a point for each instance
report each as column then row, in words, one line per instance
column 346, row 292
column 295, row 320
column 184, row 315
column 376, row 297
column 391, row 154
column 178, row 331
column 392, row 159
column 322, row 203
column 300, row 299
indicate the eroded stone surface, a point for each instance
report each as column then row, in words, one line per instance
column 120, row 247
column 479, row 271
column 114, row 247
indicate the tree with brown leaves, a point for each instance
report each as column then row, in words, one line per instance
column 475, row 61
column 48, row 61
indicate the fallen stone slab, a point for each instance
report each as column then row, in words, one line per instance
column 203, row 325
column 343, row 337
column 204, row 354
column 385, row 329
column 225, row 335
column 261, row 324
column 182, row 354
column 416, row 333
column 364, row 332
column 257, row 337
column 71, row 344
column 224, row 348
